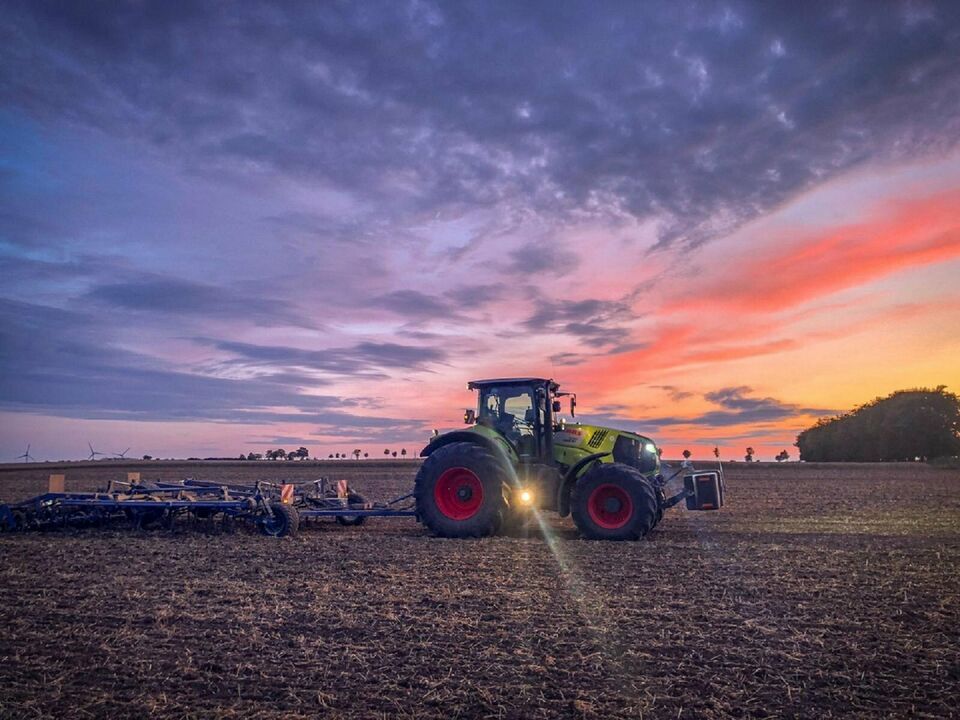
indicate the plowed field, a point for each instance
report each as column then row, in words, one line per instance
column 819, row 591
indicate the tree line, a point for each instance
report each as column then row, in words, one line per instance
column 303, row 453
column 917, row 424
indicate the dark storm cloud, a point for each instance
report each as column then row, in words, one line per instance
column 61, row 362
column 701, row 114
column 170, row 296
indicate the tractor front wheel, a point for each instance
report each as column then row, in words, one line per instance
column 460, row 491
column 613, row 502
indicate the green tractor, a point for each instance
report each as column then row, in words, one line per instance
column 518, row 456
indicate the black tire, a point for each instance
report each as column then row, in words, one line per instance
column 285, row 521
column 661, row 498
column 613, row 502
column 352, row 520
column 460, row 491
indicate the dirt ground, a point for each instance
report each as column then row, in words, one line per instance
column 819, row 591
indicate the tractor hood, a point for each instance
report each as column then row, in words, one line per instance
column 576, row 440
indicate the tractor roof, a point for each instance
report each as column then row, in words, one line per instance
column 474, row 384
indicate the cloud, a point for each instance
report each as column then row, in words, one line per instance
column 708, row 122
column 542, row 257
column 413, row 304
column 361, row 359
column 675, row 393
column 904, row 234
column 738, row 408
column 62, row 362
column 171, row 296
column 599, row 322
column 477, row 295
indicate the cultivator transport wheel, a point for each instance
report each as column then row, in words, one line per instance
column 284, row 520
column 350, row 520
column 460, row 491
column 614, row 502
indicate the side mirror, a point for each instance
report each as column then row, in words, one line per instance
column 556, row 406
column 573, row 406
column 469, row 416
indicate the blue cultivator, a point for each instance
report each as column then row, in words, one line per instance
column 322, row 499
column 276, row 509
column 148, row 505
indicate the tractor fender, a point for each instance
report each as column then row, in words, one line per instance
column 570, row 477
column 469, row 437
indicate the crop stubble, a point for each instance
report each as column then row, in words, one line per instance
column 818, row 591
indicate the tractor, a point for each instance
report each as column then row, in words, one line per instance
column 518, row 456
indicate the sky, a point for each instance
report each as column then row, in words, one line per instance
column 227, row 227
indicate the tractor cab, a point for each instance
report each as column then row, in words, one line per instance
column 521, row 410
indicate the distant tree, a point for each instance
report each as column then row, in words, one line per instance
column 242, row 456
column 366, row 455
column 783, row 456
column 394, row 453
column 686, row 454
column 386, row 451
column 403, row 452
column 148, row 457
column 330, row 456
column 301, row 453
column 659, row 452
column 749, row 456
column 357, row 453
column 716, row 452
column 905, row 425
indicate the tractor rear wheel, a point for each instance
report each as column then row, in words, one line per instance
column 613, row 501
column 460, row 491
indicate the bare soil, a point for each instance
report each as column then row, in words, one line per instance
column 819, row 591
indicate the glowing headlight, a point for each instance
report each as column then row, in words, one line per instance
column 650, row 447
column 525, row 497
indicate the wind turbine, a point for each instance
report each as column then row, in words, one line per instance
column 27, row 457
column 121, row 454
column 93, row 453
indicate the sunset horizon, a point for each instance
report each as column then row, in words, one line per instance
column 225, row 229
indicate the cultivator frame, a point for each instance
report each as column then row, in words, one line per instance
column 147, row 504
column 276, row 509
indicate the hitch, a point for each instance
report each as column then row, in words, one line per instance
column 703, row 490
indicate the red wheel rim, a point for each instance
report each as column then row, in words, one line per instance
column 610, row 506
column 458, row 493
